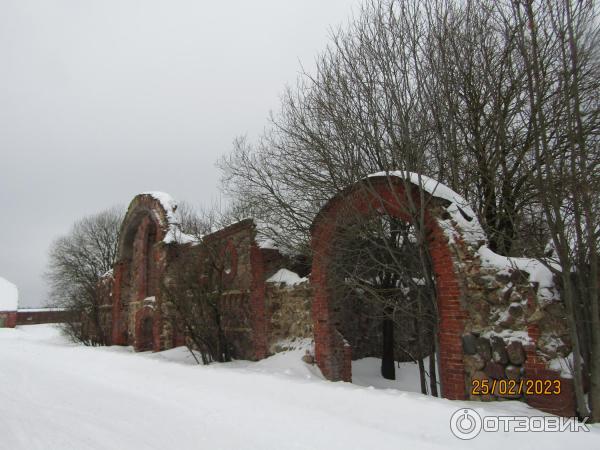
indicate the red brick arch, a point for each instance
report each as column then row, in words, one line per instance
column 144, row 207
column 385, row 196
column 147, row 213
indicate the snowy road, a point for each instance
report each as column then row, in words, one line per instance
column 55, row 395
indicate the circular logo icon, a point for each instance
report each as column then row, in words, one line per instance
column 465, row 424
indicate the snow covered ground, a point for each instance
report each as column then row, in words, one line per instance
column 57, row 395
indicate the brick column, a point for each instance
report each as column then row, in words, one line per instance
column 257, row 302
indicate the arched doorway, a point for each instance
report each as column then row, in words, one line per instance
column 383, row 302
column 402, row 201
column 148, row 268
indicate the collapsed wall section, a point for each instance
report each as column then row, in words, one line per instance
column 287, row 306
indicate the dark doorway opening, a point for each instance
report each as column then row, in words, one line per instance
column 384, row 300
column 146, row 335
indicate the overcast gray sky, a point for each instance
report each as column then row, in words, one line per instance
column 103, row 99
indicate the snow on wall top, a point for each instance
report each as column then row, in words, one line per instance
column 266, row 243
column 167, row 202
column 472, row 233
column 460, row 212
column 538, row 272
column 9, row 296
column 176, row 236
column 174, row 233
column 285, row 276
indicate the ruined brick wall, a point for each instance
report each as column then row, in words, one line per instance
column 145, row 268
column 234, row 245
column 515, row 331
column 136, row 278
column 243, row 281
column 494, row 324
column 133, row 293
column 333, row 353
column 38, row 316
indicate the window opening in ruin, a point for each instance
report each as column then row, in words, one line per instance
column 228, row 261
column 150, row 241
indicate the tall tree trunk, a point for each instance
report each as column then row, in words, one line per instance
column 388, row 371
column 433, row 373
column 552, row 203
column 422, row 378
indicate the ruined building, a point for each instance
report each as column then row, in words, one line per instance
column 135, row 307
column 499, row 318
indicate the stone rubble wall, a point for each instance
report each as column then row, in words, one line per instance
column 510, row 333
column 288, row 312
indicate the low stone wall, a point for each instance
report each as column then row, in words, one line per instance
column 515, row 335
column 491, row 358
column 288, row 310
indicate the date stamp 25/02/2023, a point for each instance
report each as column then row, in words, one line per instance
column 516, row 387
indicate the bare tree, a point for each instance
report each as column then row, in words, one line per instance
column 559, row 42
column 199, row 222
column 498, row 100
column 194, row 287
column 376, row 103
column 77, row 262
column 382, row 272
column 436, row 88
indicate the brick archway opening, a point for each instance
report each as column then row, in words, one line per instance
column 382, row 299
column 393, row 197
column 136, row 272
